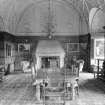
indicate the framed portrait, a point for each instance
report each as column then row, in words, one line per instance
column 23, row 47
column 99, row 49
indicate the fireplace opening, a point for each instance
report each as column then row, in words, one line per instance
column 50, row 62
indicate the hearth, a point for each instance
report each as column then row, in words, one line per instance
column 50, row 62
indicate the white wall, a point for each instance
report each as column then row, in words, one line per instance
column 96, row 20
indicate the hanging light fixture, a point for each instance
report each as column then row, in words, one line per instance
column 51, row 25
column 49, row 22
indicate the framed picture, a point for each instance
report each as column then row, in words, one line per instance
column 23, row 47
column 73, row 47
column 99, row 49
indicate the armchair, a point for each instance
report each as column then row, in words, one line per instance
column 1, row 73
column 81, row 64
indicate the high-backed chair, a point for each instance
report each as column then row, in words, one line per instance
column 75, row 70
column 72, row 88
column 33, row 72
column 81, row 64
column 1, row 73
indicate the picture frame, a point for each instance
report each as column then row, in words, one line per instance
column 23, row 47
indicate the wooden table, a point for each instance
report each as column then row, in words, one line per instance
column 51, row 77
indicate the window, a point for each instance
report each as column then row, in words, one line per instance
column 99, row 49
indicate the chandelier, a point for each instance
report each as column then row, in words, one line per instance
column 49, row 21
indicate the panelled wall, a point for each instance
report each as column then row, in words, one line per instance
column 11, row 58
column 7, row 51
column 2, row 54
column 78, row 46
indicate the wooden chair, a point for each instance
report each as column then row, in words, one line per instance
column 1, row 73
column 97, row 73
column 1, row 76
column 81, row 64
column 75, row 70
column 79, row 68
column 76, row 86
column 72, row 88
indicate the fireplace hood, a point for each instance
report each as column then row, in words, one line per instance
column 49, row 48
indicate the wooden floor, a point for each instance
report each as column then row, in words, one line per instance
column 16, row 89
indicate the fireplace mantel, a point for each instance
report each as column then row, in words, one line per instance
column 49, row 48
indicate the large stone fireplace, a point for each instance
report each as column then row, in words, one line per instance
column 49, row 53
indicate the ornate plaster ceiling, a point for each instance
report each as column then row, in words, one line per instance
column 20, row 13
column 96, row 20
